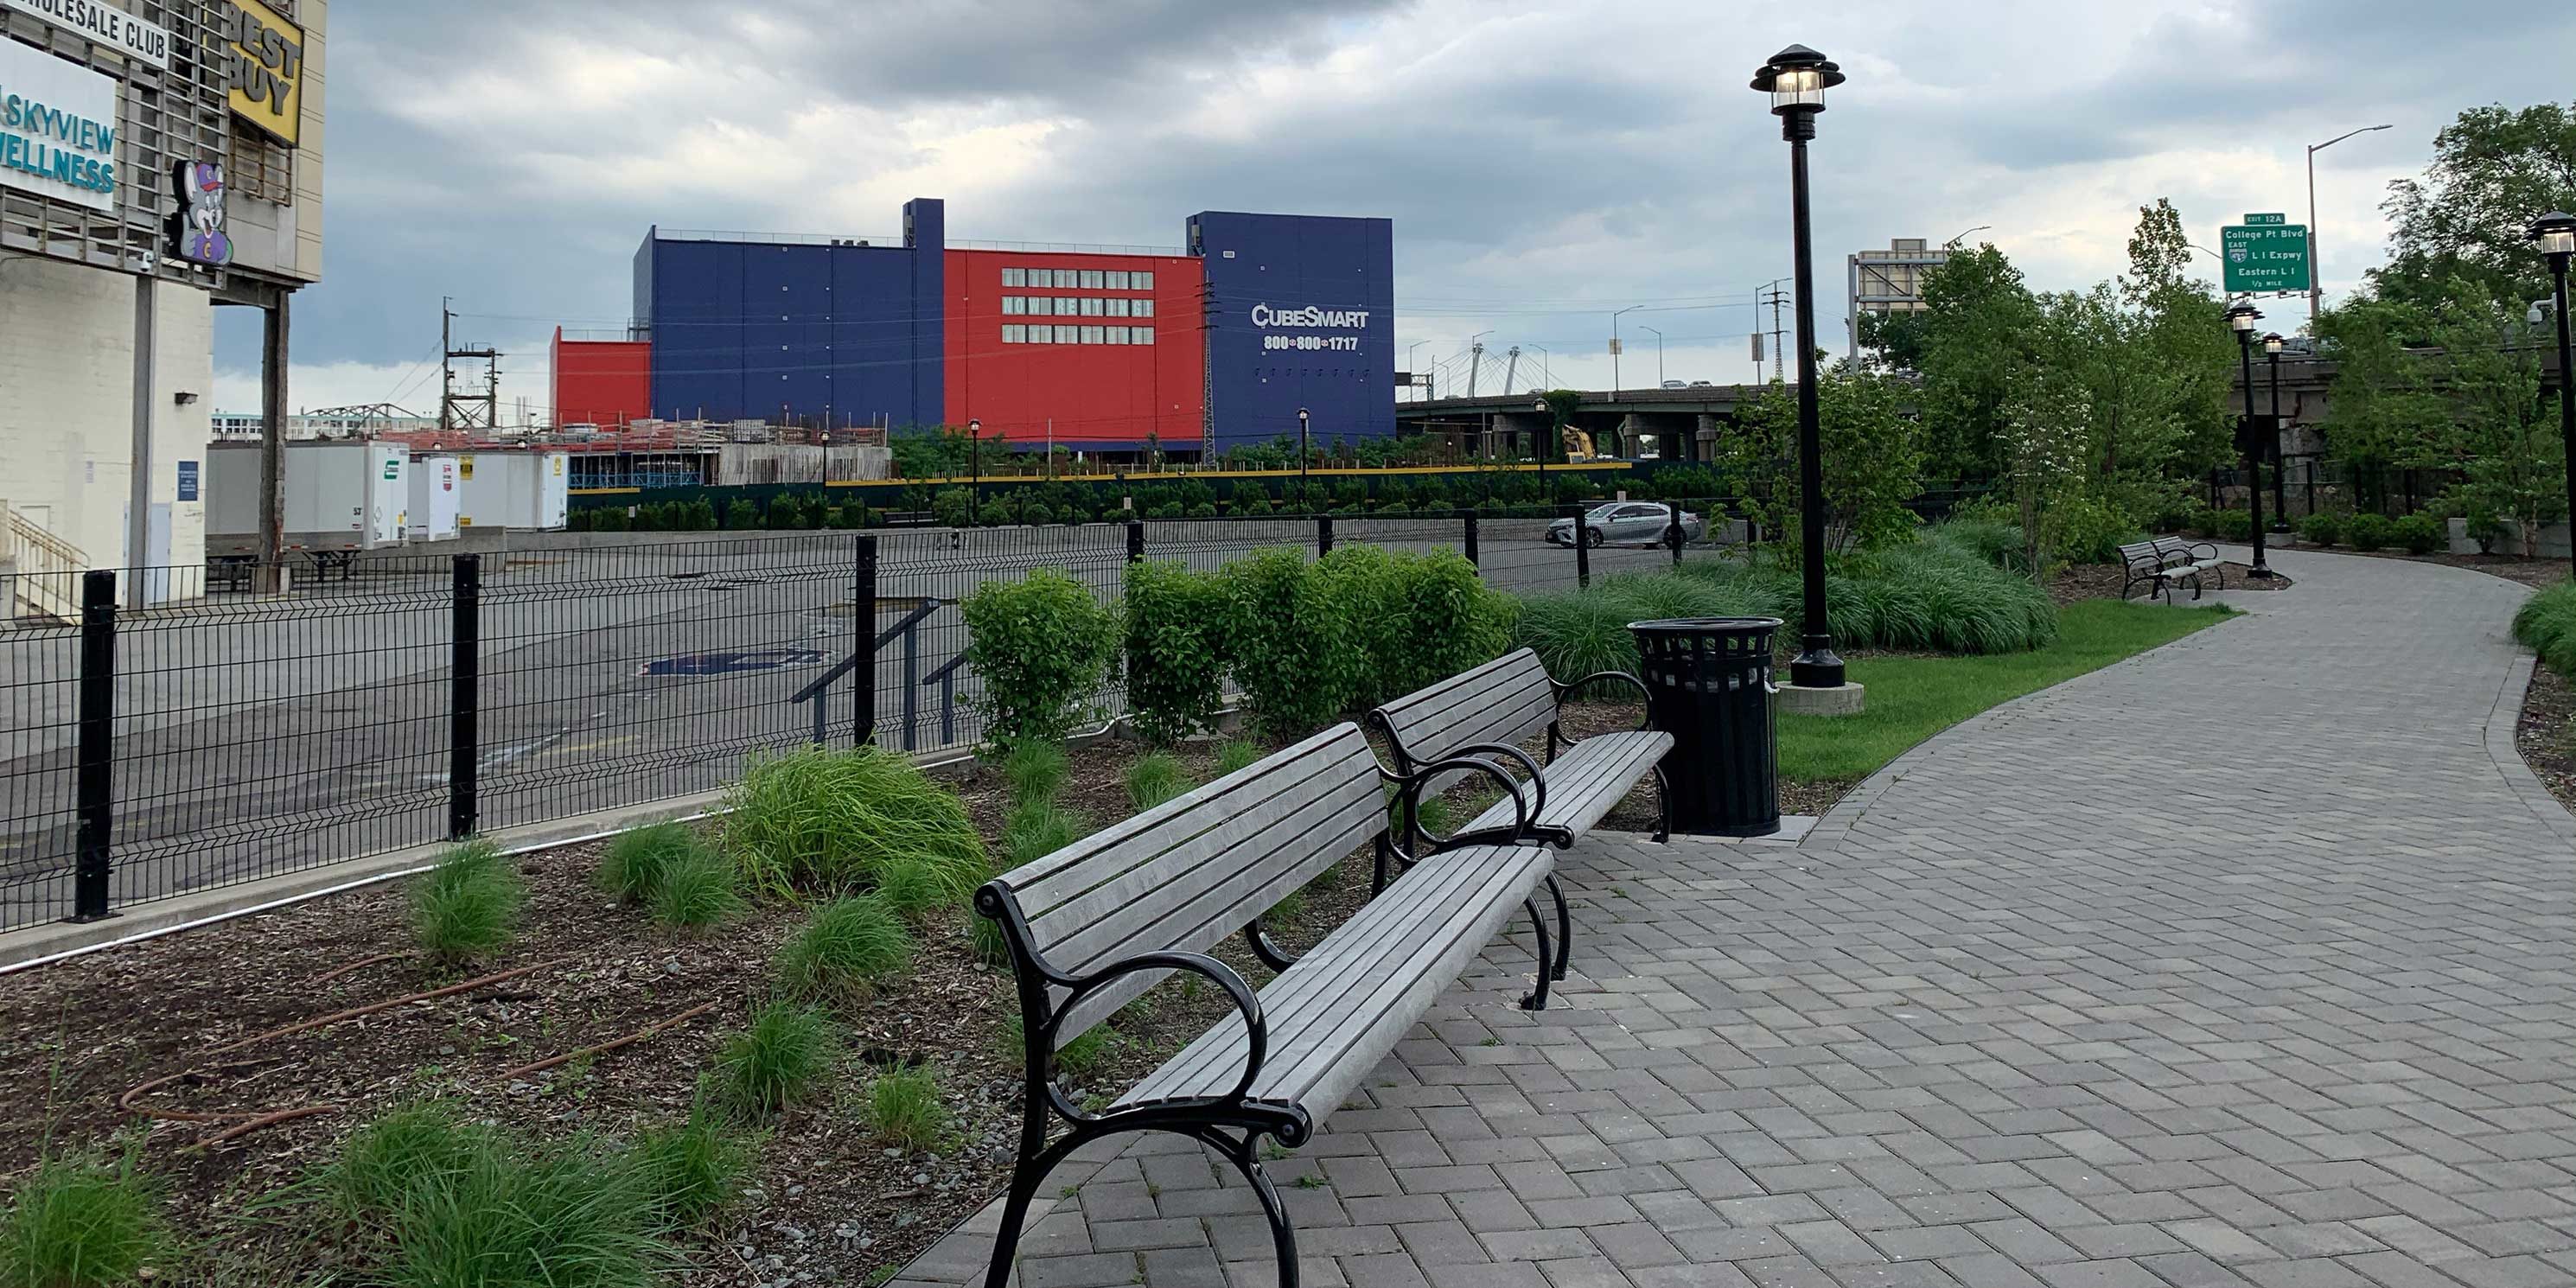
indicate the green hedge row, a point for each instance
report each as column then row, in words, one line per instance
column 1305, row 641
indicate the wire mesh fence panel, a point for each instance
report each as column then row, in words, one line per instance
column 39, row 674
column 621, row 675
column 256, row 736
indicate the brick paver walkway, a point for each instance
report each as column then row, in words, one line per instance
column 2251, row 961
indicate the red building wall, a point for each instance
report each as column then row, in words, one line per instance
column 1096, row 394
column 602, row 382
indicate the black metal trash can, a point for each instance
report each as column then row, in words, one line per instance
column 1708, row 684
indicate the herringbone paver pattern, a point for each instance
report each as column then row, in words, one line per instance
column 2247, row 962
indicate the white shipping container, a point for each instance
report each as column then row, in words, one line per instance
column 513, row 490
column 433, row 498
column 334, row 496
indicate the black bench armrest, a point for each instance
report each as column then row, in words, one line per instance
column 1556, row 728
column 1256, row 1030
column 1409, row 794
column 2202, row 550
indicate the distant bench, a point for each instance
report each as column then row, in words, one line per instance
column 2167, row 562
column 1092, row 926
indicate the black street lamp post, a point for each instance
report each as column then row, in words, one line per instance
column 2272, row 345
column 1556, row 434
column 2555, row 234
column 974, row 467
column 1796, row 78
column 2241, row 317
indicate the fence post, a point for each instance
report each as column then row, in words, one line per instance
column 464, row 695
column 1581, row 535
column 1323, row 534
column 1135, row 541
column 1673, row 530
column 1468, row 517
column 96, row 788
column 863, row 686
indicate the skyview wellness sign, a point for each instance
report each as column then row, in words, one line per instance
column 57, row 128
column 102, row 24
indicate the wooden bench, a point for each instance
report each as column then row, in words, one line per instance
column 1093, row 926
column 2165, row 562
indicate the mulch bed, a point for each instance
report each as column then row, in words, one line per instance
column 2535, row 573
column 2104, row 581
column 828, row 1198
column 2546, row 733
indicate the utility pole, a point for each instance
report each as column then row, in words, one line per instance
column 465, row 411
column 1776, row 297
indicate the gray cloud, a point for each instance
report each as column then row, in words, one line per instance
column 1533, row 157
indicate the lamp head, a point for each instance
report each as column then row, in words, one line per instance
column 2241, row 317
column 2273, row 343
column 1796, row 78
column 974, row 427
column 2555, row 233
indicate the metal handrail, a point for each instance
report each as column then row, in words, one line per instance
column 819, row 692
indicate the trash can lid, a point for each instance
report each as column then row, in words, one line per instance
column 1706, row 625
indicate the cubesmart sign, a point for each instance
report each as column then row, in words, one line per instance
column 1301, row 314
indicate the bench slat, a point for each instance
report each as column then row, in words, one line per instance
column 1505, row 700
column 1590, row 780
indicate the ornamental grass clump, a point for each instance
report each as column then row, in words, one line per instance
column 468, row 906
column 775, row 1062
column 850, row 946
column 831, row 822
column 1154, row 779
column 2547, row 626
column 82, row 1221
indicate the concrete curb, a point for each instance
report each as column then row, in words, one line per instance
column 19, row 948
column 2502, row 722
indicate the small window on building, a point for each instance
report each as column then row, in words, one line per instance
column 1091, row 335
column 1115, row 335
column 1091, row 279
column 1014, row 305
column 1117, row 279
column 1015, row 277
column 1068, row 334
column 1091, row 307
column 1140, row 335
column 1042, row 306
column 1066, row 279
column 1141, row 281
column 1144, row 308
column 1013, row 333
column 1117, row 308
column 1041, row 335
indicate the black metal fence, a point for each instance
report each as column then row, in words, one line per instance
column 231, row 736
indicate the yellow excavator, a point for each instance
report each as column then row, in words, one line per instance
column 1578, row 446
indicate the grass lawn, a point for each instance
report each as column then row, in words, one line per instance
column 1913, row 698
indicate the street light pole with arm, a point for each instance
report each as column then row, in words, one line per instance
column 1614, row 347
column 2316, row 287
column 1659, row 353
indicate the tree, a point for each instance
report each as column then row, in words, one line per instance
column 1978, row 330
column 1560, row 407
column 932, row 452
column 1872, row 457
column 2383, row 414
column 2181, row 333
column 2046, row 419
column 1894, row 341
column 2494, row 170
column 2503, row 437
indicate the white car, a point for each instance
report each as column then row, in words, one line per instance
column 1627, row 523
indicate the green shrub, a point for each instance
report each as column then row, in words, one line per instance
column 1036, row 771
column 2368, row 531
column 632, row 866
column 831, row 821
column 2088, row 530
column 2419, row 533
column 2235, row 525
column 702, row 515
column 1992, row 540
column 468, row 905
column 1234, row 754
column 742, row 515
column 406, row 1147
column 1436, row 617
column 2321, row 529
column 1154, row 779
column 851, row 945
column 949, row 508
column 493, row 1211
column 2205, row 522
column 1036, row 830
column 2485, row 528
column 696, row 891
column 609, row 519
column 1175, row 644
column 688, row 1171
column 775, row 1062
column 1042, row 646
column 2547, row 626
column 1036, row 512
column 904, row 1108
column 82, row 1221
column 919, row 893
column 1291, row 651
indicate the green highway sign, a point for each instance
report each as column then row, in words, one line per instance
column 2264, row 254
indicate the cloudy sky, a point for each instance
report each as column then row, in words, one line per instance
column 1545, row 163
